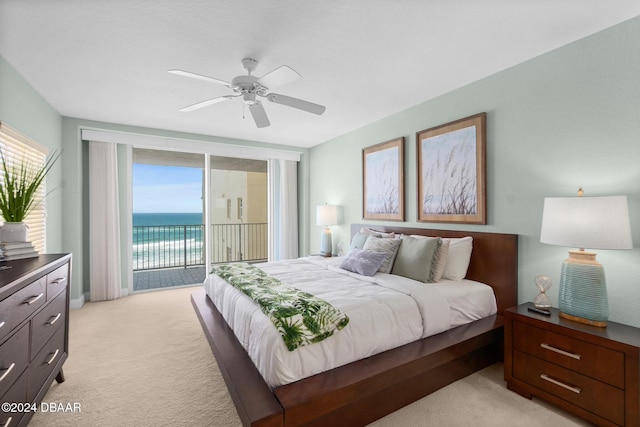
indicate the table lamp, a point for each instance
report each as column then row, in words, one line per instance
column 585, row 222
column 326, row 216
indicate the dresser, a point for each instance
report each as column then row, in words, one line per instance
column 589, row 371
column 34, row 332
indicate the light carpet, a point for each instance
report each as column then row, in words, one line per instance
column 143, row 360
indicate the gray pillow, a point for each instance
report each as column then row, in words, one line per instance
column 415, row 258
column 363, row 262
column 388, row 246
column 359, row 240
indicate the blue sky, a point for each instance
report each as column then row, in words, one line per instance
column 166, row 189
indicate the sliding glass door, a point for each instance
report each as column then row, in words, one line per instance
column 168, row 212
column 193, row 210
column 238, row 199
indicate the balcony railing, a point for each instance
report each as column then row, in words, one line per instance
column 170, row 246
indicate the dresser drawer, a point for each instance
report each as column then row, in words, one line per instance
column 14, row 358
column 44, row 363
column 594, row 396
column 45, row 323
column 592, row 360
column 27, row 300
column 5, row 318
column 17, row 394
column 57, row 281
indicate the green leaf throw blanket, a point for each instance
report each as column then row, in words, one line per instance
column 301, row 318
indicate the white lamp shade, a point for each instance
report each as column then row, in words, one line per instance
column 586, row 222
column 327, row 215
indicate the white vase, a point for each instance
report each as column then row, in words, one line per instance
column 13, row 232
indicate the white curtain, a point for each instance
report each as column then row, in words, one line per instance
column 283, row 210
column 104, row 222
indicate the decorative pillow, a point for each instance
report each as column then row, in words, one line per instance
column 361, row 237
column 379, row 233
column 363, row 262
column 439, row 259
column 388, row 246
column 415, row 258
column 458, row 258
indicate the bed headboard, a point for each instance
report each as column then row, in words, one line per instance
column 494, row 259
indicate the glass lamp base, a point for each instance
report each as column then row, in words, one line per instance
column 583, row 291
column 325, row 244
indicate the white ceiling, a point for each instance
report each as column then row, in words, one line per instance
column 107, row 60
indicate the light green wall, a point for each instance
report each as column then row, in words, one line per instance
column 22, row 108
column 567, row 119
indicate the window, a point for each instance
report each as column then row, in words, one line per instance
column 17, row 147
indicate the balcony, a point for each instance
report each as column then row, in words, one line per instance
column 173, row 255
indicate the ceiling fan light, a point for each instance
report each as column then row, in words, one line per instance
column 249, row 98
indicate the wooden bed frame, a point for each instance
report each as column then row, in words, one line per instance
column 368, row 389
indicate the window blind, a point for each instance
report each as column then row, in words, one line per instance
column 18, row 148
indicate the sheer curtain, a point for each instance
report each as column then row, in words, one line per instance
column 104, row 222
column 283, row 210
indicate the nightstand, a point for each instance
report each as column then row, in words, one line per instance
column 589, row 371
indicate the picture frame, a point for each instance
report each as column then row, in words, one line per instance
column 383, row 181
column 452, row 172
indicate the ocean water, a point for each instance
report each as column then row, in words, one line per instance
column 148, row 219
column 162, row 240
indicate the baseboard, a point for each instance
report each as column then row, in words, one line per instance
column 77, row 303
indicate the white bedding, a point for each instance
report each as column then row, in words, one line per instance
column 385, row 311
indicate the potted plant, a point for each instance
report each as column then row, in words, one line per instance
column 18, row 190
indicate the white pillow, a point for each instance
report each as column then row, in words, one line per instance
column 458, row 258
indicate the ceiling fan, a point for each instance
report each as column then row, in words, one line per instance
column 249, row 87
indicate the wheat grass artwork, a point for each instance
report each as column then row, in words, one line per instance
column 383, row 181
column 451, row 176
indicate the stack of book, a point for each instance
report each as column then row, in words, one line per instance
column 16, row 250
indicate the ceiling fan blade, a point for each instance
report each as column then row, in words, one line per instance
column 296, row 103
column 278, row 77
column 207, row 103
column 200, row 77
column 259, row 115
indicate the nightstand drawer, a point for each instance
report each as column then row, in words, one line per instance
column 594, row 361
column 592, row 395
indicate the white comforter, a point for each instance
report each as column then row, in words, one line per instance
column 385, row 311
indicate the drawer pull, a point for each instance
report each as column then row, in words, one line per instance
column 2, row 324
column 8, row 422
column 34, row 299
column 546, row 377
column 50, row 361
column 55, row 319
column 6, row 371
column 58, row 281
column 557, row 350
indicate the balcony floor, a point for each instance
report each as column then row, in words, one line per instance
column 167, row 278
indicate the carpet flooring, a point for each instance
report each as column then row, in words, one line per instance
column 143, row 360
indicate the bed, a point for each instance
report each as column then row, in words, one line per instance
column 367, row 389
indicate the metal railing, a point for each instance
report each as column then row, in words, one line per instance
column 170, row 246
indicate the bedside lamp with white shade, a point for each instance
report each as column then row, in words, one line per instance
column 326, row 216
column 585, row 222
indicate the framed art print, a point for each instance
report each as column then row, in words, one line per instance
column 383, row 181
column 451, row 172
